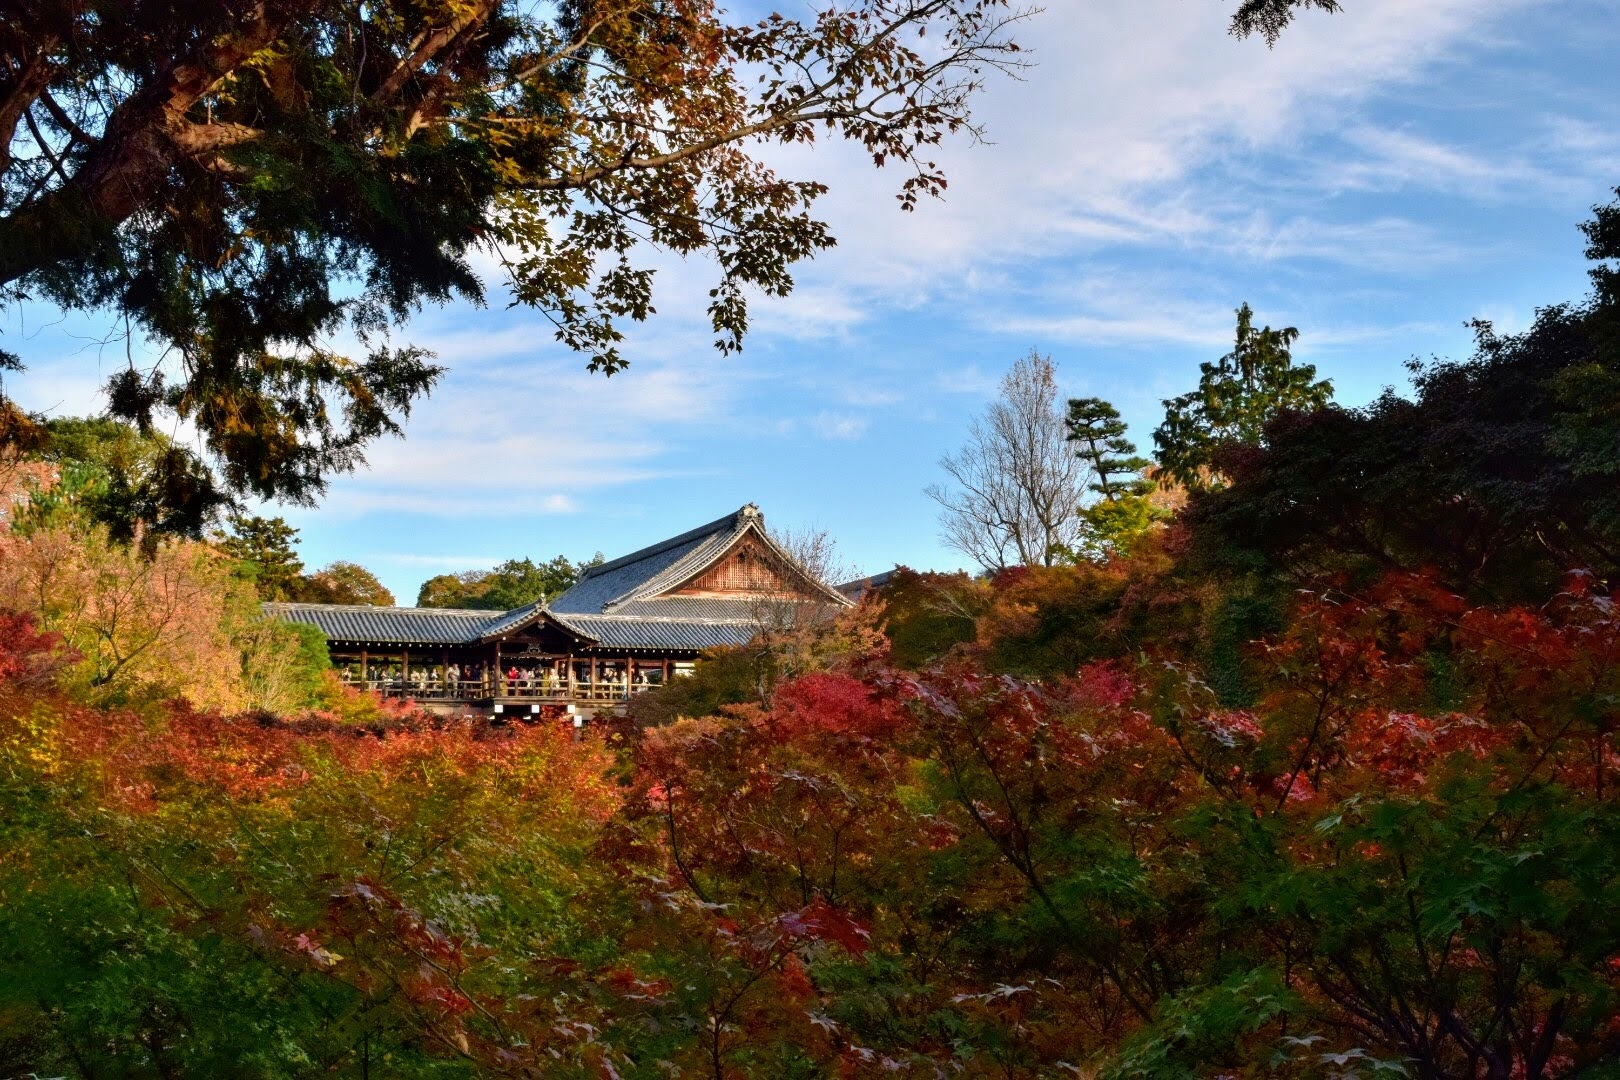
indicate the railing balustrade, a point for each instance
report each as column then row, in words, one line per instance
column 433, row 688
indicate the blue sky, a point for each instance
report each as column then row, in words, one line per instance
column 1378, row 179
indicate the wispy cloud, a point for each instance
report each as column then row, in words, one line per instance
column 1393, row 159
column 835, row 426
column 1107, row 148
column 971, row 380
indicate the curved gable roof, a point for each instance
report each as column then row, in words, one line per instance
column 517, row 619
column 647, row 574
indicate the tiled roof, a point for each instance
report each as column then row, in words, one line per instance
column 435, row 626
column 854, row 589
column 679, row 557
column 610, row 589
column 388, row 625
column 617, row 604
column 711, row 608
column 614, row 632
column 512, row 621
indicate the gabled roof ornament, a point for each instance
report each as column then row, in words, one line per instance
column 751, row 510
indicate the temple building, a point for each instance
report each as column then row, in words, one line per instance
column 626, row 626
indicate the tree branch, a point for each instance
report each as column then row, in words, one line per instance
column 126, row 167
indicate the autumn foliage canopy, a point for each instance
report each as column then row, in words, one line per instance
column 1399, row 855
column 1153, row 815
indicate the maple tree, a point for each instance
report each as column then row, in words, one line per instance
column 343, row 917
column 1131, row 818
column 243, row 182
column 1396, row 857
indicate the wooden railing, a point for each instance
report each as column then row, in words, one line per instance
column 536, row 689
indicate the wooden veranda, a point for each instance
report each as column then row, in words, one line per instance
column 627, row 626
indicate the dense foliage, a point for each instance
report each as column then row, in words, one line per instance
column 1400, row 858
column 513, row 584
column 1499, row 474
column 1152, row 815
column 244, row 183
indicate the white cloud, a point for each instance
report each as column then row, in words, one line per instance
column 1101, row 147
column 835, row 426
column 970, row 380
column 1103, row 330
column 519, row 428
column 1392, row 159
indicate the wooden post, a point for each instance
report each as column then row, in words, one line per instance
column 596, row 676
column 500, row 675
column 405, row 671
column 365, row 679
column 444, row 671
column 570, row 683
column 666, row 670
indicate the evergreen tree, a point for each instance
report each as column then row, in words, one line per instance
column 1099, row 435
column 266, row 548
column 1236, row 395
column 1124, row 510
column 513, row 584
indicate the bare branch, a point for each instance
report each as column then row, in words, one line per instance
column 1017, row 488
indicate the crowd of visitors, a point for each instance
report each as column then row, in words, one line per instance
column 544, row 679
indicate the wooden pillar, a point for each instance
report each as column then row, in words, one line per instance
column 444, row 671
column 570, row 683
column 500, row 676
column 405, row 670
column 365, row 658
column 666, row 669
column 596, row 676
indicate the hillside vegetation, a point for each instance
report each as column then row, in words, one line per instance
column 1312, row 771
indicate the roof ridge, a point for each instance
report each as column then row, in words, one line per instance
column 748, row 518
column 476, row 612
column 664, row 618
column 729, row 522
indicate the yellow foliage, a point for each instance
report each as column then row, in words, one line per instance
column 143, row 625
